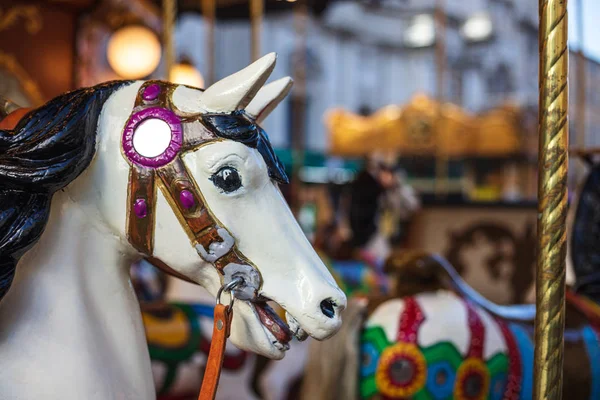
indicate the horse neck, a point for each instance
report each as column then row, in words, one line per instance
column 72, row 295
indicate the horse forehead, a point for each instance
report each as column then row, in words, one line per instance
column 215, row 151
column 188, row 99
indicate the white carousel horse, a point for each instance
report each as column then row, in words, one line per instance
column 79, row 205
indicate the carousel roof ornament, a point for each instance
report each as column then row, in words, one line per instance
column 425, row 126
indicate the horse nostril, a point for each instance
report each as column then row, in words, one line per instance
column 327, row 308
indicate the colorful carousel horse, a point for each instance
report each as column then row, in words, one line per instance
column 79, row 204
column 437, row 338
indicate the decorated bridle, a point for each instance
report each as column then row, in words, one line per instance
column 213, row 242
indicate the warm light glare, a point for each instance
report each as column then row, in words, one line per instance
column 186, row 74
column 420, row 32
column 134, row 52
column 477, row 27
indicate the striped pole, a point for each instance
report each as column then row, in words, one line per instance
column 552, row 200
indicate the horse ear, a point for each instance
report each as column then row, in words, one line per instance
column 235, row 91
column 268, row 98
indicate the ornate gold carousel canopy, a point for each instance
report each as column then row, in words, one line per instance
column 426, row 127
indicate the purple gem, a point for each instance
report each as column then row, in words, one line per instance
column 140, row 208
column 151, row 92
column 187, row 199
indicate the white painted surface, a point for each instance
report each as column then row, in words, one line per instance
column 71, row 325
column 445, row 321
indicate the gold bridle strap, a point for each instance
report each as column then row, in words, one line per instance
column 212, row 241
column 190, row 208
column 140, row 217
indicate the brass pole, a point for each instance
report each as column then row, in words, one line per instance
column 441, row 160
column 209, row 11
column 169, row 15
column 256, row 15
column 552, row 199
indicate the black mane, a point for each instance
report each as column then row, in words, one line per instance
column 45, row 152
column 239, row 127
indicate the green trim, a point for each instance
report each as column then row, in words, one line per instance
column 376, row 335
column 443, row 351
column 313, row 159
column 368, row 387
column 168, row 354
column 497, row 364
column 423, row 394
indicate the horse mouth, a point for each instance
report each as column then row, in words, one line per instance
column 278, row 331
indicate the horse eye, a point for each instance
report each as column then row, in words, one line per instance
column 227, row 179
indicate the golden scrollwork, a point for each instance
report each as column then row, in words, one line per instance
column 31, row 15
column 425, row 126
column 30, row 88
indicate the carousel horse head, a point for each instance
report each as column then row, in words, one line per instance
column 183, row 177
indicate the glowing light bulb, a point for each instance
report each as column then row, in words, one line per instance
column 184, row 73
column 134, row 52
column 477, row 27
column 420, row 31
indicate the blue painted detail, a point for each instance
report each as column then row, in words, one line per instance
column 498, row 385
column 204, row 310
column 440, row 391
column 351, row 272
column 371, row 356
column 592, row 346
column 525, row 345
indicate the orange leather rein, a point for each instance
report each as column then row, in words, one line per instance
column 221, row 330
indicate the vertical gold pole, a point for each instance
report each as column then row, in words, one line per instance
column 552, row 200
column 169, row 15
column 209, row 11
column 256, row 15
column 441, row 160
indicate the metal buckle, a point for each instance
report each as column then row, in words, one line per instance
column 227, row 288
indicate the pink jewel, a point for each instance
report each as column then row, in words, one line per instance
column 151, row 92
column 140, row 208
column 187, row 199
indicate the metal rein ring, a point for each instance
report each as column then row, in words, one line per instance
column 227, row 288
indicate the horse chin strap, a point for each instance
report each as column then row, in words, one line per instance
column 213, row 242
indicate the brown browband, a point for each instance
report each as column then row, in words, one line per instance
column 210, row 238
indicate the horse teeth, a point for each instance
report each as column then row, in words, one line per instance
column 281, row 346
column 301, row 335
column 298, row 332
